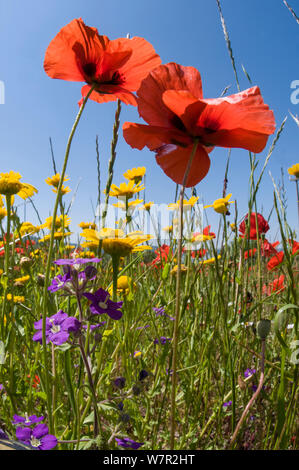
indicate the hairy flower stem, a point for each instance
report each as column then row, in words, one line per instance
column 297, row 191
column 254, row 396
column 111, row 165
column 178, row 299
column 92, row 388
column 49, row 260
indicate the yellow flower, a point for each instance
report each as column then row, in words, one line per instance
column 115, row 242
column 233, row 227
column 85, row 254
column 126, row 190
column 20, row 281
column 64, row 190
column 10, row 184
column 84, row 225
column 90, row 244
column 184, row 269
column 168, row 229
column 186, row 204
column 61, row 221
column 16, row 298
column 294, row 170
column 54, row 180
column 122, row 205
column 147, row 206
column 210, row 260
column 124, row 285
column 57, row 236
column 28, row 227
column 136, row 174
column 221, row 205
column 3, row 213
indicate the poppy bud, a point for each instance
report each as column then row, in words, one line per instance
column 263, row 328
column 41, row 279
column 25, row 262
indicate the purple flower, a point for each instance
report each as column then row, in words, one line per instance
column 143, row 374
column 3, row 435
column 160, row 311
column 58, row 328
column 227, row 403
column 128, row 443
column 37, row 438
column 119, row 382
column 27, row 420
column 60, row 282
column 100, row 303
column 142, row 327
column 161, row 340
column 249, row 372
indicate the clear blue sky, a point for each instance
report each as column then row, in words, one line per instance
column 264, row 38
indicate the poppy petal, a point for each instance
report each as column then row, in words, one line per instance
column 153, row 137
column 186, row 106
column 75, row 45
column 171, row 76
column 174, row 160
column 241, row 120
column 143, row 59
column 109, row 93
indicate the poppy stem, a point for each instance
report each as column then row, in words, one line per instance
column 178, row 295
column 297, row 190
column 254, row 396
column 49, row 260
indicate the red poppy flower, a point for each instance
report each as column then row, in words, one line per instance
column 255, row 222
column 170, row 100
column 116, row 68
column 276, row 286
column 295, row 246
column 198, row 253
column 162, row 255
column 268, row 249
column 249, row 253
column 275, row 261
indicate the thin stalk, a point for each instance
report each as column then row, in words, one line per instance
column 178, row 298
column 49, row 260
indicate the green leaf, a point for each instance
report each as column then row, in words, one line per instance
column 278, row 322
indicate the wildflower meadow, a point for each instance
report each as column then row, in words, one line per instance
column 154, row 306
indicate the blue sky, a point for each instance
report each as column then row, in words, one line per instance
column 264, row 39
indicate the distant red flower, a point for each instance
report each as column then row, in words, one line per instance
column 170, row 100
column 35, row 380
column 162, row 256
column 295, row 246
column 256, row 222
column 275, row 261
column 276, row 286
column 79, row 54
column 198, row 253
column 268, row 249
column 250, row 253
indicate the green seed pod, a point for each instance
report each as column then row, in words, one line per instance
column 263, row 328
